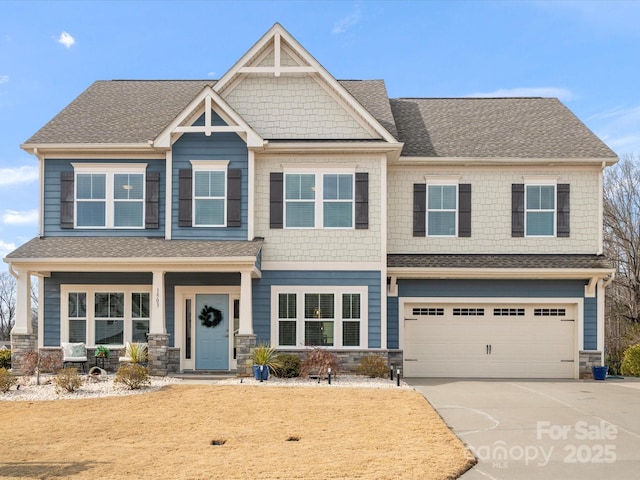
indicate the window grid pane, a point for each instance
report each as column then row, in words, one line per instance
column 287, row 305
column 77, row 331
column 109, row 305
column 301, row 214
column 318, row 333
column 287, row 333
column 318, row 305
column 109, row 332
column 351, row 334
column 351, row 305
column 209, row 212
column 139, row 331
column 128, row 186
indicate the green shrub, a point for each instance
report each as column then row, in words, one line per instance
column 5, row 358
column 318, row 362
column 133, row 375
column 68, row 380
column 7, row 380
column 631, row 361
column 290, row 365
column 373, row 366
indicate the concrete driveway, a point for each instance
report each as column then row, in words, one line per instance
column 528, row 429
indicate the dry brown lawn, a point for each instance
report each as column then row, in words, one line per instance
column 342, row 433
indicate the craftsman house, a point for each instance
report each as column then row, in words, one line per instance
column 454, row 236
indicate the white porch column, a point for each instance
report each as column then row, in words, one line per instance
column 157, row 320
column 246, row 308
column 22, row 325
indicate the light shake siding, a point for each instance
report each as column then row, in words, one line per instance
column 491, row 211
column 285, row 60
column 292, row 107
column 319, row 245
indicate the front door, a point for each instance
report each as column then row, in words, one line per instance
column 212, row 332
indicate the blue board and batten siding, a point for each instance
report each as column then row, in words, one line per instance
column 52, row 170
column 500, row 290
column 270, row 278
column 217, row 146
column 51, row 307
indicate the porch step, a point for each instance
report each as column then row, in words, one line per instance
column 205, row 375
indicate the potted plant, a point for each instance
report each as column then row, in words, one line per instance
column 264, row 358
column 101, row 352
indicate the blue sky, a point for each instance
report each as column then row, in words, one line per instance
column 585, row 53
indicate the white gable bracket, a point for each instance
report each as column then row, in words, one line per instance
column 208, row 100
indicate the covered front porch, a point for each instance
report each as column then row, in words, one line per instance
column 212, row 278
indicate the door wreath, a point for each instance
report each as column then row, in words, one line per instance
column 210, row 316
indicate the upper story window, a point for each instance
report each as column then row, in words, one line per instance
column 319, row 200
column 441, row 207
column 540, row 210
column 109, row 196
column 336, row 198
column 209, row 199
column 442, row 210
column 540, row 207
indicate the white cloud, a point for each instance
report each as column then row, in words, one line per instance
column 341, row 26
column 561, row 93
column 15, row 217
column 66, row 39
column 211, row 74
column 6, row 248
column 24, row 174
column 4, row 79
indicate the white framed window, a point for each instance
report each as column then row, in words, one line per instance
column 109, row 195
column 442, row 210
column 105, row 314
column 209, row 193
column 319, row 199
column 540, row 210
column 319, row 316
column 77, row 317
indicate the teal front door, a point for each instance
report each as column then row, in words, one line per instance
column 212, row 332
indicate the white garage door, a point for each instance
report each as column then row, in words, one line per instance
column 493, row 341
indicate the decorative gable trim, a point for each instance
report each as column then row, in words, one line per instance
column 282, row 40
column 206, row 101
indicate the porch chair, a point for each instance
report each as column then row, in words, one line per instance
column 74, row 353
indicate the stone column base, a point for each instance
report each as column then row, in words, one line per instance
column 158, row 354
column 244, row 345
column 21, row 343
column 588, row 359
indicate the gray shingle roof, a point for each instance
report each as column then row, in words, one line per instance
column 136, row 111
column 506, row 261
column 131, row 247
column 120, row 111
column 372, row 95
column 493, row 127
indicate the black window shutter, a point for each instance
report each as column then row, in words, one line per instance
column 517, row 210
column 275, row 199
column 362, row 200
column 563, row 216
column 464, row 210
column 67, row 187
column 184, row 197
column 152, row 201
column 419, row 209
column 234, row 185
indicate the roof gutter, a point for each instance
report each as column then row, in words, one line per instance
column 500, row 273
column 42, row 148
